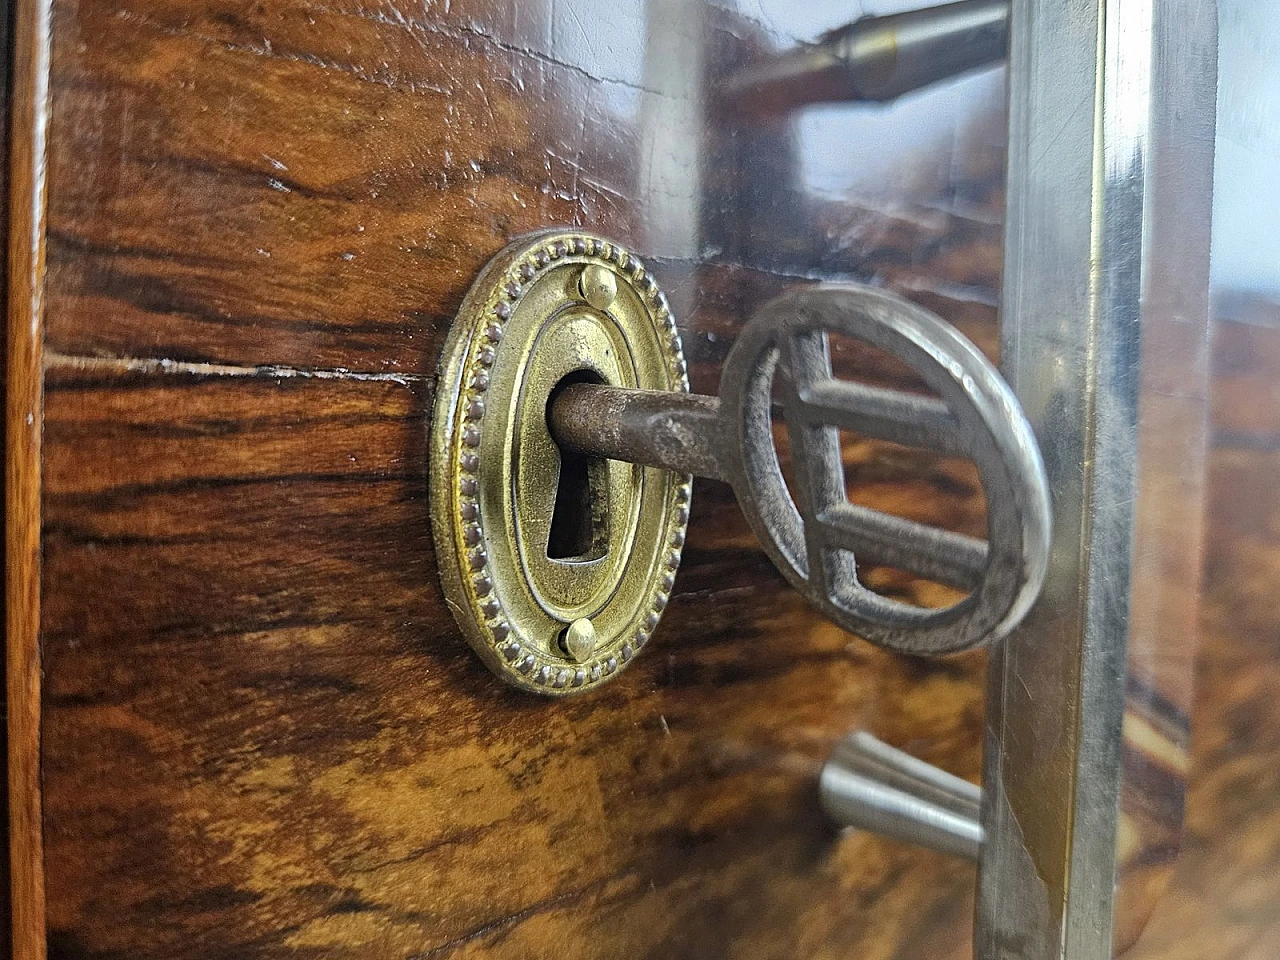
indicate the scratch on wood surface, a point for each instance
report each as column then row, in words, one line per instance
column 501, row 925
column 463, row 31
column 55, row 360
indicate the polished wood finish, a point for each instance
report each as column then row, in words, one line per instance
column 283, row 723
column 1222, row 901
column 262, row 734
column 26, row 182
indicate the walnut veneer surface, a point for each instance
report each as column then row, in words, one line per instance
column 261, row 734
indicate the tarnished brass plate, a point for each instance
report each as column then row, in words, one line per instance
column 546, row 617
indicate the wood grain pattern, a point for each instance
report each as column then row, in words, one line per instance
column 262, row 733
column 6, row 910
column 26, row 183
column 356, row 786
column 321, row 234
column 1222, row 902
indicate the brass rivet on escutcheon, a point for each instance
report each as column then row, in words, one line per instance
column 552, row 607
column 580, row 639
column 597, row 286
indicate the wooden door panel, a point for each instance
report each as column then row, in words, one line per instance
column 274, row 184
column 262, row 734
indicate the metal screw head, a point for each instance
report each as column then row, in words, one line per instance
column 598, row 286
column 580, row 639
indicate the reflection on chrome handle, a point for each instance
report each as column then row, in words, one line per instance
column 875, row 59
column 870, row 785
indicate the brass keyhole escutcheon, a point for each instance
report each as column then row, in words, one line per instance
column 565, row 433
column 557, row 565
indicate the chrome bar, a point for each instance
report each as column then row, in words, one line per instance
column 871, row 786
column 864, row 754
column 875, row 58
column 1086, row 80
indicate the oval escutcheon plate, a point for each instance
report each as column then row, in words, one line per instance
column 557, row 568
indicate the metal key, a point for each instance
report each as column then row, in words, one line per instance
column 817, row 538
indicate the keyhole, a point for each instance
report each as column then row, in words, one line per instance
column 578, row 519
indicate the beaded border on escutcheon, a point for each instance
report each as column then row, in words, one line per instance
column 533, row 669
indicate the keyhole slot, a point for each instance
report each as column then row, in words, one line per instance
column 578, row 521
